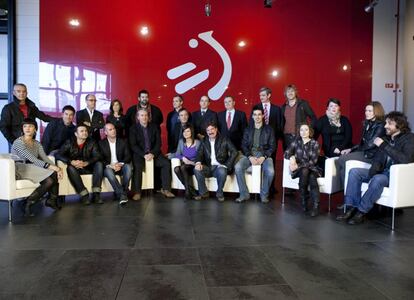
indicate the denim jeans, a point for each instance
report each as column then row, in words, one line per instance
column 375, row 187
column 125, row 172
column 219, row 172
column 75, row 177
column 268, row 172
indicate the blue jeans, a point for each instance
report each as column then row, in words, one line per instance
column 125, row 172
column 220, row 173
column 268, row 172
column 375, row 187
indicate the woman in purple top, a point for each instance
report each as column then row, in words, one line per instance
column 187, row 152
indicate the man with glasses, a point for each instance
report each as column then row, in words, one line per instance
column 91, row 118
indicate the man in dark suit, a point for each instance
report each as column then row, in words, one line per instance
column 272, row 113
column 232, row 122
column 116, row 158
column 91, row 118
column 203, row 117
column 145, row 142
column 173, row 120
column 59, row 130
column 154, row 113
column 183, row 116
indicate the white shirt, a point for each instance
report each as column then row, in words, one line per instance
column 90, row 113
column 213, row 158
column 112, row 147
column 203, row 111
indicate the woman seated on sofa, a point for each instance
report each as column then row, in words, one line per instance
column 36, row 167
column 303, row 154
column 187, row 151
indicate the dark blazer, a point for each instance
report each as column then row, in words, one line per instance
column 172, row 132
column 56, row 134
column 12, row 118
column 304, row 114
column 224, row 149
column 237, row 127
column 122, row 151
column 97, row 122
column 200, row 122
column 267, row 141
column 325, row 129
column 71, row 151
column 137, row 141
column 176, row 135
column 131, row 117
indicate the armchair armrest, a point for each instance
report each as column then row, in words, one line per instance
column 8, row 181
column 401, row 185
column 350, row 164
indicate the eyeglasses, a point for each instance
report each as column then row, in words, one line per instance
column 92, row 100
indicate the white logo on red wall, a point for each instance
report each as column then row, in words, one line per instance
column 220, row 87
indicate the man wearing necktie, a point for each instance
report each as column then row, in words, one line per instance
column 232, row 122
column 203, row 117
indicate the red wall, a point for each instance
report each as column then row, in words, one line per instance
column 307, row 42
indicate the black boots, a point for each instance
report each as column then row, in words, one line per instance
column 348, row 215
column 52, row 202
column 303, row 194
column 315, row 196
column 96, row 197
column 358, row 218
column 30, row 201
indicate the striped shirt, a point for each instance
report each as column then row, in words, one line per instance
column 35, row 155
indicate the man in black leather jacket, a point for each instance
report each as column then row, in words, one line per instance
column 396, row 148
column 258, row 146
column 15, row 112
column 82, row 156
column 215, row 158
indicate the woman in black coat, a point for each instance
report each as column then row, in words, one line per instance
column 117, row 118
column 336, row 130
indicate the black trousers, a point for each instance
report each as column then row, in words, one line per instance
column 160, row 162
column 75, row 177
column 185, row 173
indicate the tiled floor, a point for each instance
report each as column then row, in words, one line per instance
column 177, row 249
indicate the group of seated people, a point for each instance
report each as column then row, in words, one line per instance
column 208, row 144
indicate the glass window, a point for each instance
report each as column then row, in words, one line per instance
column 3, row 63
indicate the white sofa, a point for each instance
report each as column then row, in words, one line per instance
column 253, row 180
column 12, row 189
column 400, row 192
column 329, row 184
column 66, row 188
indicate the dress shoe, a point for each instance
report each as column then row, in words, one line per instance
column 314, row 212
column 136, row 197
column 97, row 198
column 167, row 193
column 203, row 196
column 220, row 197
column 85, row 200
column 346, row 216
column 357, row 219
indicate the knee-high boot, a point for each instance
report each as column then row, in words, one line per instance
column 315, row 196
column 30, row 201
column 303, row 194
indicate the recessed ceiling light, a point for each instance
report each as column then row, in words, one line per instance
column 74, row 23
column 144, row 30
column 242, row 44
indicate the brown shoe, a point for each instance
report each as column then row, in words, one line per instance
column 203, row 196
column 167, row 193
column 136, row 197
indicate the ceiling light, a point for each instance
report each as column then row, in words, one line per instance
column 242, row 44
column 207, row 9
column 275, row 73
column 144, row 30
column 74, row 22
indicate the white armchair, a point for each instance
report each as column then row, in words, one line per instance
column 399, row 193
column 329, row 184
column 253, row 180
column 10, row 188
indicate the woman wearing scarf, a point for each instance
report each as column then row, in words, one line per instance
column 336, row 130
